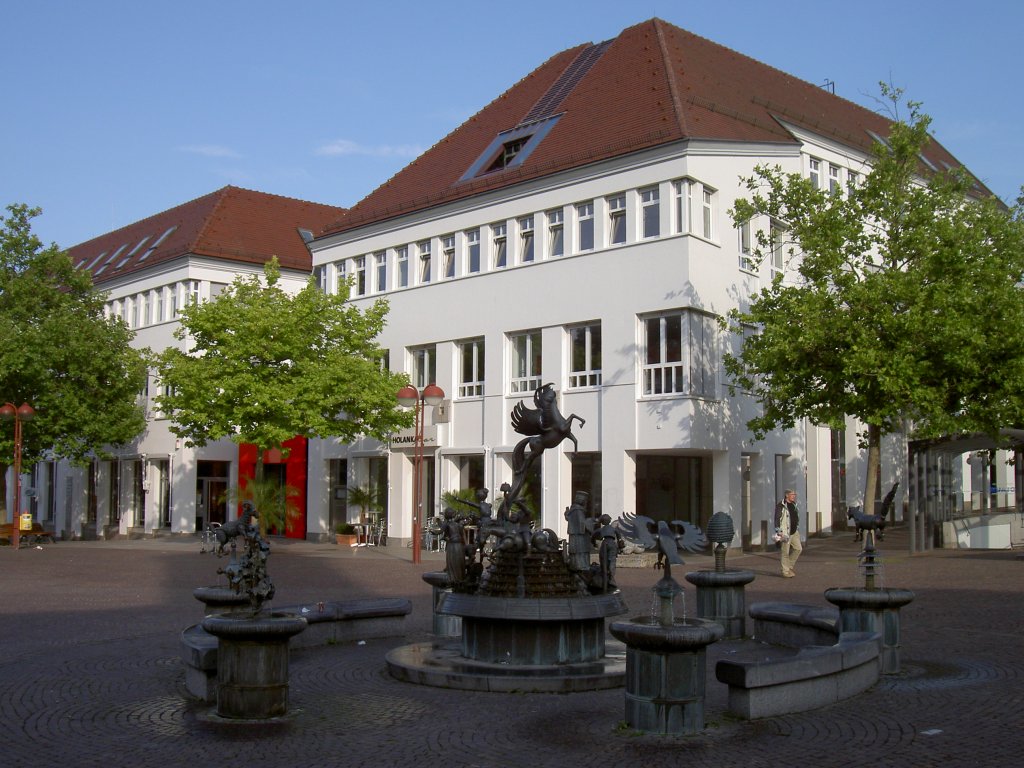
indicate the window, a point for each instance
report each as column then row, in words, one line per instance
column 360, row 276
column 380, row 261
column 448, row 256
column 556, row 239
column 776, row 235
column 424, row 251
column 339, row 269
column 833, row 179
column 193, row 291
column 852, row 180
column 679, row 356
column 694, row 208
column 617, row 220
column 473, row 251
column 499, row 245
column 172, row 300
column 158, row 313
column 814, row 171
column 650, row 212
column 507, row 153
column 585, row 356
column 320, row 277
column 131, row 313
column 471, row 368
column 526, row 240
column 402, row 264
column 424, row 366
column 745, row 247
column 526, row 361
column 144, row 309
column 585, row 222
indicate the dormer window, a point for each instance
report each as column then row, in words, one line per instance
column 510, row 148
column 508, row 152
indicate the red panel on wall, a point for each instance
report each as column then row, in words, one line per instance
column 295, row 473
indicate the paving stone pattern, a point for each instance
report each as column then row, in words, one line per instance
column 91, row 674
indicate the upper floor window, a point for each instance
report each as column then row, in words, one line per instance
column 585, row 224
column 320, row 277
column 172, row 300
column 424, row 366
column 471, row 368
column 585, row 356
column 526, row 239
column 448, row 256
column 694, row 208
column 158, row 309
column 617, row 220
column 852, row 180
column 814, row 172
column 650, row 212
column 834, row 186
column 499, row 245
column 424, row 250
column 193, row 291
column 679, row 354
column 776, row 236
column 380, row 268
column 746, row 248
column 402, row 265
column 144, row 309
column 473, row 251
column 556, row 238
column 360, row 276
column 525, row 353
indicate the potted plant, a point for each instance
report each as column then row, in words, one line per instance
column 345, row 534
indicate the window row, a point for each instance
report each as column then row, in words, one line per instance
column 159, row 305
column 678, row 357
column 610, row 221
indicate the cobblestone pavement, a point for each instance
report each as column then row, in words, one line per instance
column 91, row 672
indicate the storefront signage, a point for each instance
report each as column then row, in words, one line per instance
column 407, row 438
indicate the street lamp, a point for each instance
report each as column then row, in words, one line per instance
column 410, row 397
column 18, row 415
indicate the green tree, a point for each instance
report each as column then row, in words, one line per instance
column 262, row 366
column 904, row 308
column 60, row 354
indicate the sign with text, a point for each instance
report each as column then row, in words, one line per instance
column 406, row 438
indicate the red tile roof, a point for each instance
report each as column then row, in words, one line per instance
column 654, row 84
column 232, row 224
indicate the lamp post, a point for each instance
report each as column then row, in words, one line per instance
column 410, row 397
column 9, row 413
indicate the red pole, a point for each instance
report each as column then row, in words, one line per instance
column 418, row 481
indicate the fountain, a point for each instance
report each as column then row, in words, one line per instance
column 872, row 608
column 252, row 649
column 720, row 593
column 666, row 665
column 532, row 609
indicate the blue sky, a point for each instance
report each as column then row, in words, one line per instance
column 116, row 110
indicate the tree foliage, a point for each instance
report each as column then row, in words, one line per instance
column 59, row 353
column 262, row 366
column 903, row 304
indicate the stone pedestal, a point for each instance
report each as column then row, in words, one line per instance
column 443, row 625
column 721, row 598
column 873, row 610
column 666, row 672
column 252, row 663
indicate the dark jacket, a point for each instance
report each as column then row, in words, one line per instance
column 794, row 516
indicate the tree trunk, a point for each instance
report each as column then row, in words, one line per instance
column 874, row 459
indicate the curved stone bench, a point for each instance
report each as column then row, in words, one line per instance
column 339, row 621
column 817, row 675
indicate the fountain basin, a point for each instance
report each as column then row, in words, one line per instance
column 684, row 635
column 873, row 610
column 252, row 662
column 220, row 599
column 721, row 598
column 666, row 672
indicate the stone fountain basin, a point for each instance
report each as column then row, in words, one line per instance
column 244, row 625
column 683, row 635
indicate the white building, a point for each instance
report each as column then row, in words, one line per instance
column 149, row 270
column 576, row 231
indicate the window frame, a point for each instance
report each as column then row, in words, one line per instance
column 650, row 212
column 423, row 365
column 424, row 251
column 616, row 205
column 525, row 361
column 527, row 241
column 585, row 226
column 473, row 264
column 448, row 257
column 471, row 380
column 499, row 245
column 555, row 219
column 587, row 376
column 693, row 373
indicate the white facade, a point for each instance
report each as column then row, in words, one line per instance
column 680, row 258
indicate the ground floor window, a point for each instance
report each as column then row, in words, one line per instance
column 162, row 489
column 674, row 488
column 338, row 492
column 586, row 476
column 212, row 492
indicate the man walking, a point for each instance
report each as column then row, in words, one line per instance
column 787, row 523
